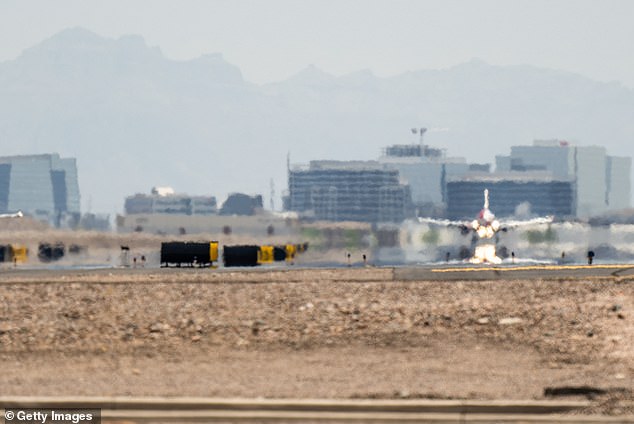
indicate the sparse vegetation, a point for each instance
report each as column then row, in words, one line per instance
column 431, row 237
column 314, row 236
column 352, row 239
column 535, row 236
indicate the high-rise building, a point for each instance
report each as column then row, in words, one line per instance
column 590, row 175
column 348, row 191
column 619, row 193
column 601, row 181
column 426, row 171
column 530, row 194
column 42, row 185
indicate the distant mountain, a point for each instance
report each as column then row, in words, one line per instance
column 135, row 119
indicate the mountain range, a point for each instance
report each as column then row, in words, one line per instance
column 135, row 119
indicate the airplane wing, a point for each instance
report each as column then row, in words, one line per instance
column 18, row 214
column 443, row 222
column 534, row 221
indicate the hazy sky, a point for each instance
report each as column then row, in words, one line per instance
column 272, row 39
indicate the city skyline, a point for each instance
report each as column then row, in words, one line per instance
column 81, row 84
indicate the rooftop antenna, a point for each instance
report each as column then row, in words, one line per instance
column 422, row 132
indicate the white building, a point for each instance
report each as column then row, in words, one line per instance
column 602, row 182
column 618, row 180
column 426, row 171
column 163, row 200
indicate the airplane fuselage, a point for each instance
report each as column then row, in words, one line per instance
column 485, row 226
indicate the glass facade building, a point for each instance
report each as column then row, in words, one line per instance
column 348, row 191
column 41, row 185
column 508, row 195
column 602, row 182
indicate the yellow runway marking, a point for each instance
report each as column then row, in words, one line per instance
column 531, row 268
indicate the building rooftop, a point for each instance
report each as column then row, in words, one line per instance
column 352, row 165
column 520, row 176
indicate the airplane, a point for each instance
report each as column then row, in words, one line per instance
column 485, row 226
column 18, row 214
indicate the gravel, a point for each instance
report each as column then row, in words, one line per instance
column 312, row 333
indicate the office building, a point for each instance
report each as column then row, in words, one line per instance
column 602, row 182
column 426, row 171
column 619, row 192
column 163, row 200
column 348, row 191
column 45, row 186
column 531, row 194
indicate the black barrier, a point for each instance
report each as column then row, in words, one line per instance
column 76, row 249
column 240, row 255
column 5, row 253
column 180, row 253
column 48, row 252
column 279, row 253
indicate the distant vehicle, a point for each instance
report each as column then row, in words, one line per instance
column 18, row 214
column 485, row 226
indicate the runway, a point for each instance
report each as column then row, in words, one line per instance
column 514, row 272
column 356, row 272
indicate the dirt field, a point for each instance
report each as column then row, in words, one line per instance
column 313, row 333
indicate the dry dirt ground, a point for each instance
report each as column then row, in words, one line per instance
column 313, row 333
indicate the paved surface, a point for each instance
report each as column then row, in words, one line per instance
column 511, row 272
column 436, row 272
column 152, row 409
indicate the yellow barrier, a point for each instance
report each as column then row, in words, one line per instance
column 213, row 251
column 19, row 254
column 265, row 254
column 291, row 251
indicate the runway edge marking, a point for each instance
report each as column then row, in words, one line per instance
column 530, row 268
